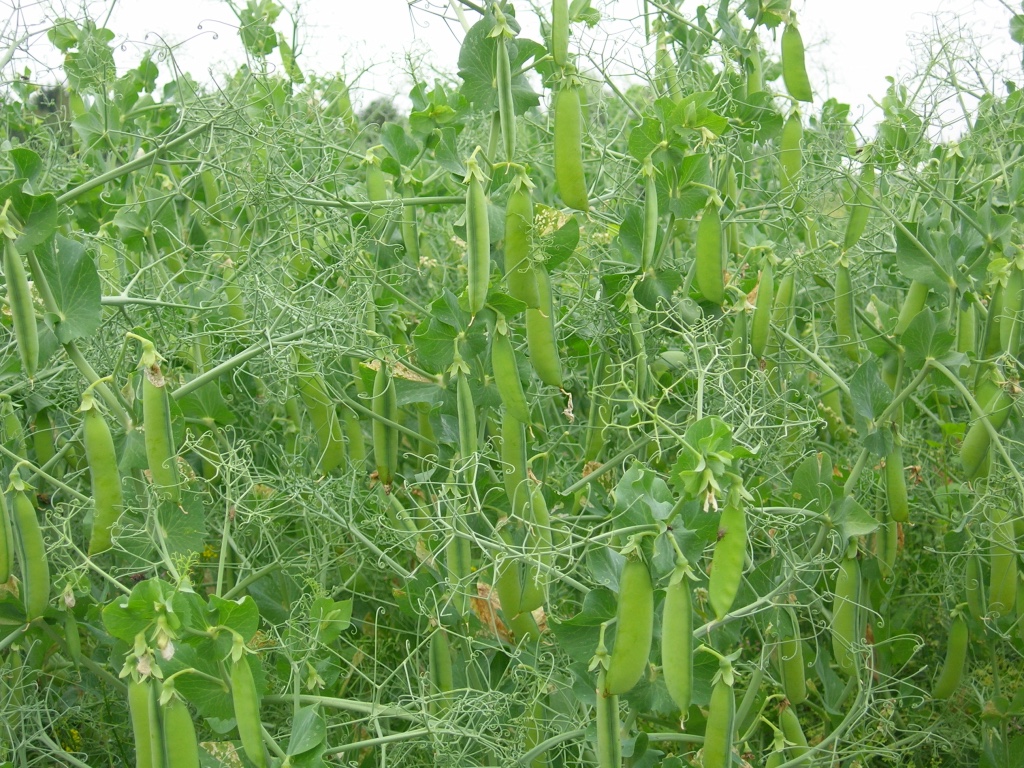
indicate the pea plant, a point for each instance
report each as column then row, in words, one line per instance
column 567, row 420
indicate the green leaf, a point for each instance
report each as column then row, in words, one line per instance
column 853, row 520
column 562, row 244
column 1017, row 28
column 75, row 285
column 27, row 165
column 256, row 29
column 207, row 402
column 37, row 215
column 644, row 138
column 631, row 235
column 64, row 34
column 399, row 144
column 928, row 336
column 477, row 64
column 641, row 497
column 869, row 393
column 330, row 618
column 309, row 730
column 183, row 525
column 813, row 486
column 241, row 615
column 925, row 264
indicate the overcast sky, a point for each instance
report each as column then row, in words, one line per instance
column 852, row 47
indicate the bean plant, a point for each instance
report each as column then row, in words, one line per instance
column 565, row 419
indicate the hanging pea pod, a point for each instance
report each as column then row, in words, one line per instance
column 376, row 187
column 322, row 413
column 141, row 700
column 609, row 745
column 439, row 672
column 730, row 551
column 977, row 603
column 513, row 459
column 1002, row 584
column 506, row 373
column 790, row 656
column 846, row 317
column 508, row 578
column 956, row 657
column 23, row 315
column 967, row 330
column 411, row 234
column 860, row 209
column 540, row 333
column 1012, row 319
column 568, row 116
column 718, row 733
column 180, row 742
column 560, row 32
column 458, row 557
column 478, row 237
column 503, row 76
column 539, row 545
column 791, row 154
column 35, row 568
column 466, row 411
column 385, row 436
column 975, row 448
column 7, row 541
column 677, row 636
column 600, row 410
column 535, row 732
column 794, row 66
column 896, row 483
column 754, row 71
column 634, row 628
column 161, row 455
column 519, row 272
column 913, row 305
column 794, row 732
column 650, row 215
column 709, row 255
column 761, row 322
column 245, row 700
column 108, row 501
column 846, row 612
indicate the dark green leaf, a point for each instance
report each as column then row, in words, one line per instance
column 75, row 285
column 309, row 729
column 927, row 336
column 853, row 520
column 917, row 261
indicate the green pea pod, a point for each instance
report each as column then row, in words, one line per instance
column 791, row 151
column 23, row 315
column 35, row 569
column 991, row 336
column 385, row 437
column 43, row 439
column 793, row 731
column 975, row 587
column 738, row 347
column 896, row 485
column 354, row 436
column 846, row 317
column 519, row 272
column 376, row 189
column 535, row 731
column 180, row 743
column 730, row 550
column 609, row 745
column 161, row 454
column 72, row 639
column 7, row 541
column 1002, row 585
column 411, row 234
column 439, row 671
column 560, row 32
column 754, row 71
column 650, row 216
column 539, row 544
column 708, row 254
column 140, row 702
column 506, row 376
column 233, row 300
column 760, row 324
column 540, row 333
column 831, row 408
column 600, row 410
column 1012, row 313
column 468, row 443
column 322, row 413
column 634, row 628
column 506, row 107
column 677, row 639
column 107, row 498
column 478, row 239
column 845, row 614
column 721, row 719
column 794, row 67
column 513, row 459
column 508, row 579
column 956, row 657
column 246, row 703
column 913, row 305
column 860, row 210
column 569, row 176
column 458, row 560
column 790, row 656
column 974, row 450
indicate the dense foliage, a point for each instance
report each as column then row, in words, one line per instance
column 551, row 424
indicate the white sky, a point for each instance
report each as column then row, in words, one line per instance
column 851, row 46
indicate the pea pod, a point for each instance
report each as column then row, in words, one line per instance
column 140, row 701
column 569, row 176
column 790, row 657
column 1012, row 318
column 967, row 330
column 478, row 238
column 650, row 216
column 1002, row 585
column 376, row 188
column 760, row 324
column 540, row 333
column 709, row 255
column 718, row 733
column 246, row 703
column 439, row 672
column 794, row 732
column 508, row 578
column 468, row 443
column 519, row 272
column 896, row 485
column 506, row 107
column 43, row 439
column 860, row 210
column 974, row 450
column 513, row 459
column 322, row 413
column 539, row 545
column 72, row 639
column 730, row 550
column 677, row 637
column 913, row 305
column 385, row 436
column 23, row 315
column 108, row 500
column 7, row 541
column 535, row 731
column 754, row 71
column 845, row 613
column 794, row 66
column 458, row 559
column 35, row 569
column 410, row 234
column 600, row 410
column 975, row 587
column 846, row 317
column 506, row 374
column 791, row 152
column 560, row 32
column 609, row 745
column 180, row 741
column 956, row 657
column 634, row 628
column 161, row 455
